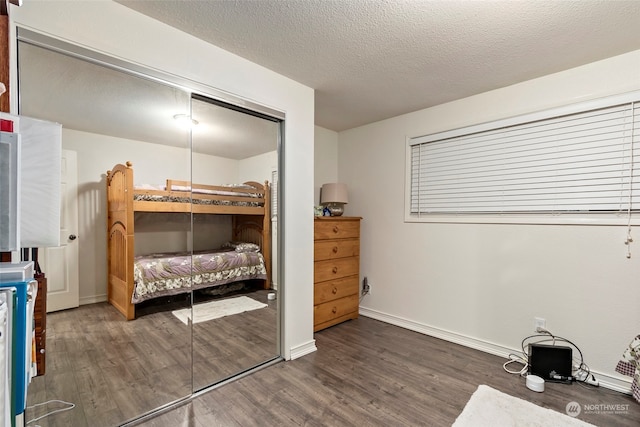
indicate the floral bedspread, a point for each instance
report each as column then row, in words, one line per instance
column 170, row 274
column 186, row 197
column 630, row 365
column 195, row 201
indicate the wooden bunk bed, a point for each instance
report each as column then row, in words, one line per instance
column 248, row 204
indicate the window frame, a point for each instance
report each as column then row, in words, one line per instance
column 584, row 218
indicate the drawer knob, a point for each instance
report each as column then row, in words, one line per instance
column 42, row 351
column 335, row 270
column 335, row 249
column 334, row 290
column 335, row 229
column 334, row 310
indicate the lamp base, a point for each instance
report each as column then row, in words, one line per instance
column 336, row 209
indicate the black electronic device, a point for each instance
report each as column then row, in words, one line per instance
column 551, row 362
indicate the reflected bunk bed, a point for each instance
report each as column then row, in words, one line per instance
column 248, row 204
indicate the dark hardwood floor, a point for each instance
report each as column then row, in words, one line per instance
column 368, row 373
column 365, row 373
column 114, row 370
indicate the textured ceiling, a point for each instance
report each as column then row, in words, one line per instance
column 92, row 98
column 371, row 59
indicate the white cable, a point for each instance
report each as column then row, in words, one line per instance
column 514, row 358
column 68, row 408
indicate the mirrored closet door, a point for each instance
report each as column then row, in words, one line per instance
column 176, row 237
column 237, row 149
column 112, row 369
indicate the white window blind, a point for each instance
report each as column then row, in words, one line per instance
column 586, row 161
column 274, row 194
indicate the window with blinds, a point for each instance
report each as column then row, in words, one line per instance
column 583, row 161
column 274, row 195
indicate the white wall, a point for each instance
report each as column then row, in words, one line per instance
column 258, row 168
column 482, row 285
column 117, row 31
column 325, row 154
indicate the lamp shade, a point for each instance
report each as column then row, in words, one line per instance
column 335, row 192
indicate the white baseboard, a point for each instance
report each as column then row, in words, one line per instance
column 303, row 349
column 605, row 380
column 93, row 299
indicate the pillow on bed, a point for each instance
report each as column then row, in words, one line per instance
column 247, row 247
column 242, row 246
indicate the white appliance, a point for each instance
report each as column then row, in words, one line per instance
column 18, row 278
column 33, row 175
column 5, row 357
column 9, row 191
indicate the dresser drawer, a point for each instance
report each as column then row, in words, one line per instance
column 330, row 249
column 335, row 269
column 335, row 289
column 335, row 229
column 337, row 310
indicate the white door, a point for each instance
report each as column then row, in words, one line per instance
column 60, row 264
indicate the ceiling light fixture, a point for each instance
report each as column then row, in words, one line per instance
column 186, row 119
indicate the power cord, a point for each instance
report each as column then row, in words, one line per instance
column 68, row 408
column 514, row 358
column 364, row 293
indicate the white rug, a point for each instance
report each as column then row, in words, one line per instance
column 216, row 309
column 491, row 408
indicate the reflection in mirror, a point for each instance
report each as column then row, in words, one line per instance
column 129, row 341
column 235, row 324
column 112, row 369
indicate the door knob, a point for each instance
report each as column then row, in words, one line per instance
column 72, row 237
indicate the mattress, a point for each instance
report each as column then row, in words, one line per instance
column 188, row 192
column 164, row 274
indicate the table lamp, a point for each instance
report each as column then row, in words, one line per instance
column 334, row 197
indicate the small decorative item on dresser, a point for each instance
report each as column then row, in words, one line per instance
column 334, row 196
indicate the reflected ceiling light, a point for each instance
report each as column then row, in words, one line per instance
column 185, row 119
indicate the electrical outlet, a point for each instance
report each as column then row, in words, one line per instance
column 366, row 287
column 539, row 324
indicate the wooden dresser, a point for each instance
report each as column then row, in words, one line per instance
column 336, row 273
column 40, row 323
